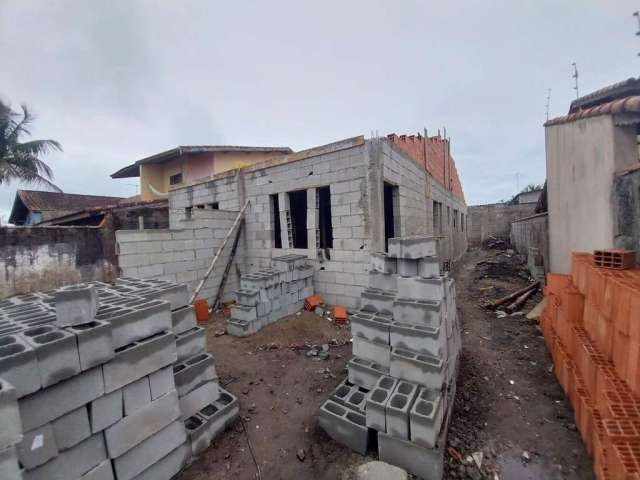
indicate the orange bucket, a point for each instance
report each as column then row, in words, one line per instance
column 202, row 310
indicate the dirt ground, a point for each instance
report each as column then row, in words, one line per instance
column 508, row 404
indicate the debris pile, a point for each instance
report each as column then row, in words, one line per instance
column 406, row 345
column 109, row 382
column 590, row 324
column 270, row 294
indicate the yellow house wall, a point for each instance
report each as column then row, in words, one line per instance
column 224, row 161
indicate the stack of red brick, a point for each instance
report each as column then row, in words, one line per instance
column 591, row 324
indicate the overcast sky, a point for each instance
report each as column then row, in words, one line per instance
column 116, row 81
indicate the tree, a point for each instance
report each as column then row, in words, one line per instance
column 532, row 187
column 22, row 160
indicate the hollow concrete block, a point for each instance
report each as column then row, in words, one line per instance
column 421, row 288
column 106, row 410
column 75, row 305
column 183, row 319
column 193, row 372
column 370, row 325
column 161, row 382
column 102, row 471
column 95, row 345
column 19, row 365
column 10, row 423
column 425, row 370
column 9, row 466
column 168, row 466
column 377, row 352
column 136, row 395
column 145, row 454
column 46, row 405
column 365, row 373
column 413, row 247
column 210, row 421
column 198, row 398
column 72, row 463
column 137, row 322
column 147, row 355
column 137, row 427
column 345, row 426
column 72, row 428
column 426, row 418
column 190, row 343
column 37, row 447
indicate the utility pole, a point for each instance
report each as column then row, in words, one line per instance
column 548, row 103
column 575, row 76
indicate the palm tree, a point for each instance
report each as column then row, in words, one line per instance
column 21, row 160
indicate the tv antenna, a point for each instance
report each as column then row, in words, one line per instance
column 575, row 76
column 637, row 15
column 548, row 103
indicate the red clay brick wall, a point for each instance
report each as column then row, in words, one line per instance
column 440, row 163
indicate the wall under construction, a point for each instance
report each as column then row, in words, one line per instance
column 335, row 204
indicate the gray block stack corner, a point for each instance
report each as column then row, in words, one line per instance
column 270, row 294
column 406, row 346
column 106, row 382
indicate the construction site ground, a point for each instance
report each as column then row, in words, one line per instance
column 510, row 415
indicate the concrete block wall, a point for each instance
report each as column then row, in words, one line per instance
column 182, row 255
column 353, row 169
column 530, row 237
column 494, row 220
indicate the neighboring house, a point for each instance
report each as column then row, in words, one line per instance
column 527, row 197
column 592, row 174
column 31, row 207
column 187, row 165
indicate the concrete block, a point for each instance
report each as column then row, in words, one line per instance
column 241, row 328
column 244, row 312
column 418, row 338
column 382, row 263
column 365, row 373
column 190, row 343
column 63, row 397
column 168, row 466
column 426, row 418
column 72, row 428
column 248, row 296
column 422, row 369
column 418, row 312
column 345, row 426
column 161, row 382
column 377, row 352
column 210, row 421
column 370, row 325
column 72, row 463
column 37, row 447
column 75, row 305
column 9, row 467
column 95, row 345
column 376, row 300
column 425, row 463
column 137, row 322
column 429, row 267
column 376, row 403
column 103, row 471
column 407, row 267
column 136, row 395
column 153, row 449
column 193, row 372
column 19, row 365
column 198, row 398
column 106, row 410
column 137, row 427
column 176, row 294
column 183, row 319
column 350, row 395
column 57, row 353
column 383, row 281
column 147, row 355
column 413, row 247
column 398, row 407
column 421, row 288
column 263, row 308
column 10, row 423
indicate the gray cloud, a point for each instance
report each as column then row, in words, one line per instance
column 115, row 81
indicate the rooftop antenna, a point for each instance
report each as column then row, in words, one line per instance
column 575, row 76
column 548, row 103
column 637, row 15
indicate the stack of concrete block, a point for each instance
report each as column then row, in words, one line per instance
column 270, row 294
column 406, row 344
column 88, row 388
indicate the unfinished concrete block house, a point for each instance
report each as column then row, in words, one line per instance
column 335, row 203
